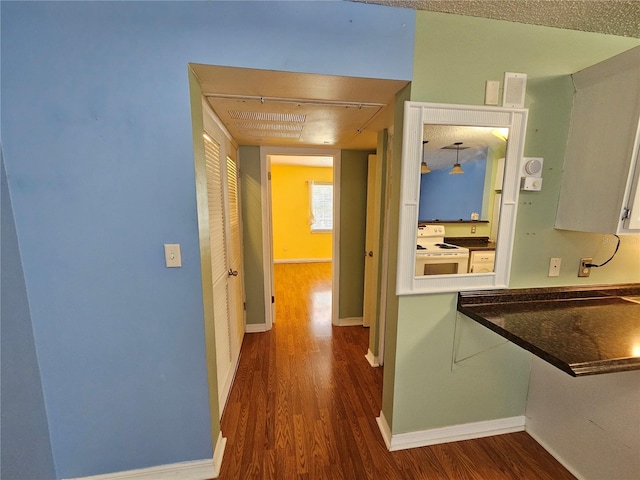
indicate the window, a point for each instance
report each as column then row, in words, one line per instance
column 321, row 199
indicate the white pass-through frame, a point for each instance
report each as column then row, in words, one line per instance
column 416, row 116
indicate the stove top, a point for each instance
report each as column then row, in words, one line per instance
column 430, row 241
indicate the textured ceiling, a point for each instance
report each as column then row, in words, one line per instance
column 612, row 17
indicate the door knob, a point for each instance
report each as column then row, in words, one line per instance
column 371, row 253
column 232, row 273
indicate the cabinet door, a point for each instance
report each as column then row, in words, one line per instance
column 602, row 146
column 633, row 220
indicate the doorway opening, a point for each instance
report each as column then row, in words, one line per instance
column 266, row 113
column 302, row 237
column 302, row 219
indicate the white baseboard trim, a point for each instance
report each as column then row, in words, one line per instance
column 303, row 260
column 372, row 359
column 349, row 321
column 554, row 454
column 196, row 470
column 255, row 327
column 454, row 433
column 384, row 430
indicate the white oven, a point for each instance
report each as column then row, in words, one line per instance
column 434, row 257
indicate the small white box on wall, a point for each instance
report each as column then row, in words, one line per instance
column 515, row 88
column 531, row 173
column 531, row 183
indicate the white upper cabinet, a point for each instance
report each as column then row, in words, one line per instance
column 599, row 191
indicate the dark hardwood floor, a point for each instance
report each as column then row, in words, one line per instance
column 304, row 402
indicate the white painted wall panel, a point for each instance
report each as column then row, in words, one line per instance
column 590, row 424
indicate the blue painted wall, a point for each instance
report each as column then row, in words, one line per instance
column 98, row 149
column 24, row 431
column 452, row 197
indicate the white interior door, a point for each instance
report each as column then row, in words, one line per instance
column 236, row 279
column 219, row 263
column 225, row 233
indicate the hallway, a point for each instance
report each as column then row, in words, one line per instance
column 304, row 402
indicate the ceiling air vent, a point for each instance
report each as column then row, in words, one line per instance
column 282, row 127
column 267, row 117
column 268, row 133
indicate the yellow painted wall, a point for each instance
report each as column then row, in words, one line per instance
column 292, row 237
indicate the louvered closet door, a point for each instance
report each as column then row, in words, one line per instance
column 236, row 282
column 219, row 269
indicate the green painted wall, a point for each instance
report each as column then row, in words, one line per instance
column 447, row 388
column 454, row 57
column 353, row 212
column 391, row 311
column 252, row 233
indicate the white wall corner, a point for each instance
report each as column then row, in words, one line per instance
column 372, row 359
column 454, row 433
column 350, row 321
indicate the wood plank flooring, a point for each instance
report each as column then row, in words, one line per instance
column 304, row 402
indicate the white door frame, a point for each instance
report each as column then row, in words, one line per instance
column 267, row 233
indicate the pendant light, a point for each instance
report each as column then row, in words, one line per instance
column 457, row 169
column 424, row 168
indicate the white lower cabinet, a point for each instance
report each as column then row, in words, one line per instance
column 481, row 261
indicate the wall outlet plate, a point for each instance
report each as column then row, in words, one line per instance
column 554, row 267
column 584, row 270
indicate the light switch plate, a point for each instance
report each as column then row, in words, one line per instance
column 492, row 92
column 172, row 255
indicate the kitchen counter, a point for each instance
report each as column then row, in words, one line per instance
column 472, row 243
column 581, row 330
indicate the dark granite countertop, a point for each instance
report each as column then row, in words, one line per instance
column 472, row 243
column 581, row 330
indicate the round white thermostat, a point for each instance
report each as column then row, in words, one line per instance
column 533, row 166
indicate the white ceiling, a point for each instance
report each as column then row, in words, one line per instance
column 611, row 17
column 440, row 152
